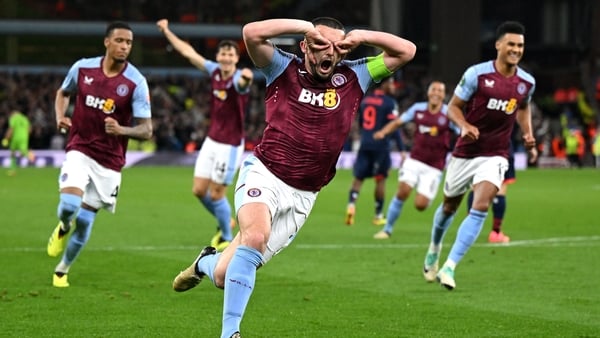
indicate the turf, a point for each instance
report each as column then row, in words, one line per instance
column 333, row 281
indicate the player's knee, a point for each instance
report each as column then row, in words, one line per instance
column 449, row 208
column 217, row 194
column 198, row 192
column 402, row 195
column 380, row 178
column 420, row 206
column 421, row 202
column 480, row 205
column 255, row 239
column 69, row 204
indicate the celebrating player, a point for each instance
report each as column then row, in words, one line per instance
column 423, row 169
column 310, row 106
column 492, row 95
column 223, row 147
column 112, row 104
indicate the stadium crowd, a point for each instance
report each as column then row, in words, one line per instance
column 566, row 119
column 565, row 123
column 180, row 109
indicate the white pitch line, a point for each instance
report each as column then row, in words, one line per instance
column 545, row 242
column 556, row 241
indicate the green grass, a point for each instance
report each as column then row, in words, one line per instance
column 333, row 281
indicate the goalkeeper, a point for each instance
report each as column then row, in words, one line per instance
column 17, row 139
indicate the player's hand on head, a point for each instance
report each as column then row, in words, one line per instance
column 351, row 41
column 111, row 126
column 315, row 41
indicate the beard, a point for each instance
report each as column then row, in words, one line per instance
column 317, row 75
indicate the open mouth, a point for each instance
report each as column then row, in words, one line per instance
column 325, row 66
column 514, row 55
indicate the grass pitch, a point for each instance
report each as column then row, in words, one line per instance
column 333, row 281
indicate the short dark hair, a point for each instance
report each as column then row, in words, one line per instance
column 229, row 44
column 512, row 27
column 329, row 22
column 116, row 25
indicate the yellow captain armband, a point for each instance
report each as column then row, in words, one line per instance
column 5, row 142
column 377, row 68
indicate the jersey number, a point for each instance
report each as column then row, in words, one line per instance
column 369, row 118
column 115, row 192
column 220, row 167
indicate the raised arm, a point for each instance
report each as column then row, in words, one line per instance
column 184, row 48
column 396, row 50
column 390, row 127
column 246, row 78
column 257, row 34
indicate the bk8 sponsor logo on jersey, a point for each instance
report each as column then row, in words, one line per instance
column 106, row 105
column 433, row 130
column 507, row 106
column 329, row 99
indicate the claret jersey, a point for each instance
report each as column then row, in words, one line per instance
column 306, row 114
column 228, row 106
column 492, row 102
column 432, row 134
column 121, row 97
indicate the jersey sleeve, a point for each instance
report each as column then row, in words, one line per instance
column 409, row 114
column 12, row 121
column 530, row 94
column 69, row 84
column 360, row 68
column 529, row 78
column 140, row 101
column 210, row 66
column 467, row 85
column 280, row 61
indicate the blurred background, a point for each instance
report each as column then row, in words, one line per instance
column 39, row 40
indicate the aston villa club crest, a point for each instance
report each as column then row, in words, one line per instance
column 338, row 79
column 254, row 192
column 122, row 90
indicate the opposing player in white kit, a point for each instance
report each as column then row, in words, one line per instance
column 111, row 94
column 492, row 95
column 222, row 150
